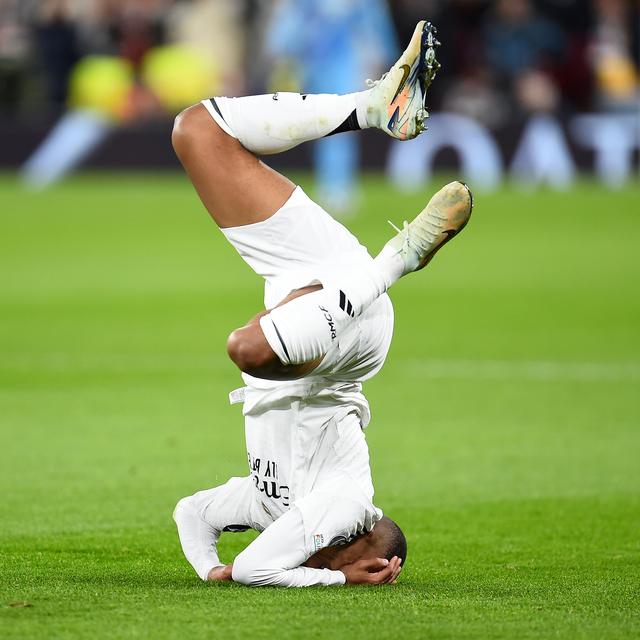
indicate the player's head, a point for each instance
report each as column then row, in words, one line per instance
column 385, row 540
column 390, row 539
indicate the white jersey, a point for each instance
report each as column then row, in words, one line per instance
column 309, row 484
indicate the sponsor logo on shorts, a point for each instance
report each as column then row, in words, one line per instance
column 329, row 319
column 346, row 305
column 318, row 541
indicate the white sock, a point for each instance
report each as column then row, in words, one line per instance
column 390, row 264
column 273, row 123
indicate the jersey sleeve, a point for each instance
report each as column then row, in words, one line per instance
column 325, row 517
column 202, row 517
column 275, row 556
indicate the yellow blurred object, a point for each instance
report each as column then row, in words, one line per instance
column 101, row 84
column 284, row 77
column 179, row 76
column 617, row 76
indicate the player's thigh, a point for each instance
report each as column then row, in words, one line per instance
column 299, row 245
column 235, row 187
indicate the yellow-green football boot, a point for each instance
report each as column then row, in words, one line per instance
column 444, row 217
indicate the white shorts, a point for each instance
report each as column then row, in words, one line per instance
column 302, row 244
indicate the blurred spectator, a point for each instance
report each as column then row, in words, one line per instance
column 474, row 95
column 466, row 84
column 612, row 58
column 14, row 49
column 536, row 92
column 572, row 73
column 518, row 39
column 523, row 48
column 56, row 46
column 139, row 26
column 214, row 27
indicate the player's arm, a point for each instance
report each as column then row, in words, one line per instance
column 276, row 557
column 201, row 519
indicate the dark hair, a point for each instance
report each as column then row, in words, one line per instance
column 394, row 542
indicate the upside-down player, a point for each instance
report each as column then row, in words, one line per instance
column 327, row 328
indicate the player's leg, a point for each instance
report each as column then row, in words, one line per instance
column 236, row 188
column 251, row 352
column 292, row 339
column 202, row 517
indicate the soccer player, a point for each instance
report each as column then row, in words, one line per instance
column 327, row 328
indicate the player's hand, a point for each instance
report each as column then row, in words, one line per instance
column 373, row 571
column 219, row 574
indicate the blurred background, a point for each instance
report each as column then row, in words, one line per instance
column 535, row 91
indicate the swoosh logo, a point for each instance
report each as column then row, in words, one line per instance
column 394, row 119
column 406, row 69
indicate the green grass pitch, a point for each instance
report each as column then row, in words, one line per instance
column 505, row 436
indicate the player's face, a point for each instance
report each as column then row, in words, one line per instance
column 361, row 548
column 337, row 557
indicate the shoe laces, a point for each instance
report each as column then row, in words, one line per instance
column 419, row 241
column 374, row 83
column 406, row 238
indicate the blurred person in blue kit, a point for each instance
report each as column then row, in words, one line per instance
column 334, row 44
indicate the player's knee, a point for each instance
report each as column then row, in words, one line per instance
column 193, row 128
column 249, row 350
column 184, row 130
column 190, row 127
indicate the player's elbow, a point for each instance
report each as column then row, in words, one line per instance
column 242, row 571
column 249, row 353
column 246, row 571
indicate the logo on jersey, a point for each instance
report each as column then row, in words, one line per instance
column 318, row 541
